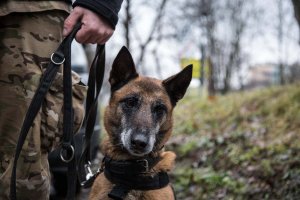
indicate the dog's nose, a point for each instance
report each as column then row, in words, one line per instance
column 139, row 142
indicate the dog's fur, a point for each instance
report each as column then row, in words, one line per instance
column 139, row 122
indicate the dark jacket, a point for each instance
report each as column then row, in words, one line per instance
column 106, row 8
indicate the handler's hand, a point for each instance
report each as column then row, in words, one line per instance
column 94, row 29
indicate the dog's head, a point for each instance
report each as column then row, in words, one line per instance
column 139, row 115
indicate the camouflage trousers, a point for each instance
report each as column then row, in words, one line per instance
column 26, row 43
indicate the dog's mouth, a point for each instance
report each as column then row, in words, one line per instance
column 136, row 152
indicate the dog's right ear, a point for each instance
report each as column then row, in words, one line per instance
column 123, row 70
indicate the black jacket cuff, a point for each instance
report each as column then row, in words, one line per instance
column 107, row 8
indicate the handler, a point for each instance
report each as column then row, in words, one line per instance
column 30, row 31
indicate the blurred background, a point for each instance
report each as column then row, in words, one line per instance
column 240, row 44
column 236, row 133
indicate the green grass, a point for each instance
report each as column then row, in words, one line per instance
column 244, row 145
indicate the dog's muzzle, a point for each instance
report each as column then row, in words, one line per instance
column 139, row 142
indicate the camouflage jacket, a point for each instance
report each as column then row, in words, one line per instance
column 9, row 6
column 106, row 8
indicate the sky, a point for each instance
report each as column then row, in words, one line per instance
column 258, row 49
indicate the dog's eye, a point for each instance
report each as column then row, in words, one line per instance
column 130, row 102
column 159, row 109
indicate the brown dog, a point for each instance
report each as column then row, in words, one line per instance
column 139, row 122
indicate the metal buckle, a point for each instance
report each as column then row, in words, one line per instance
column 88, row 171
column 144, row 163
column 90, row 176
column 57, row 63
column 67, row 148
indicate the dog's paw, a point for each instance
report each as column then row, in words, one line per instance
column 167, row 161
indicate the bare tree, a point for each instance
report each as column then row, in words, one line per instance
column 154, row 35
column 203, row 12
column 296, row 4
column 156, row 23
column 224, row 24
column 238, row 25
column 127, row 22
column 280, row 40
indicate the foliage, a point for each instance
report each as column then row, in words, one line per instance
column 240, row 146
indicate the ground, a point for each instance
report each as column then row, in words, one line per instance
column 240, row 146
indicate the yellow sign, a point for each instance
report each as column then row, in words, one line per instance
column 196, row 66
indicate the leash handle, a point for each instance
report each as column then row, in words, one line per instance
column 57, row 58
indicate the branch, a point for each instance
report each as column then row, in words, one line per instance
column 150, row 37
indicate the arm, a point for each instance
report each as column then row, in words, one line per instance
column 99, row 18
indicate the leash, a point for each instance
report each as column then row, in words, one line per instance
column 67, row 152
column 85, row 175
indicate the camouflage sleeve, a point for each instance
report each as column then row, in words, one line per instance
column 21, row 6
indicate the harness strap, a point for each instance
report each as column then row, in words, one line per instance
column 132, row 167
column 140, row 181
column 118, row 192
column 125, row 184
column 133, row 175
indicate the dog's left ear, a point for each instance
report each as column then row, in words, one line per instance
column 177, row 84
column 123, row 70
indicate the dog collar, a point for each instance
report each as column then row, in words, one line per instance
column 133, row 175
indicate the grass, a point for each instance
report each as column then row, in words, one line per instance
column 243, row 145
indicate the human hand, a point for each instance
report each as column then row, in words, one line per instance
column 94, row 29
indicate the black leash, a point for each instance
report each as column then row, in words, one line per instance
column 85, row 175
column 63, row 56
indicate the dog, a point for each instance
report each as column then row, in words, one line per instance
column 138, row 121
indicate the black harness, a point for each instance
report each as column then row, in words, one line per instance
column 129, row 175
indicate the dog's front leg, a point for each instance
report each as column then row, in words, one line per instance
column 100, row 189
column 167, row 161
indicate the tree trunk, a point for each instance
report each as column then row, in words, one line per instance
column 211, row 81
column 157, row 20
column 127, row 23
column 280, row 41
column 296, row 4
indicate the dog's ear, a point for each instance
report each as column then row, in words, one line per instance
column 123, row 70
column 177, row 84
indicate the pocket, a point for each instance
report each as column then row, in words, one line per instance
column 5, row 173
column 79, row 94
column 50, row 113
column 33, row 179
column 52, row 110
